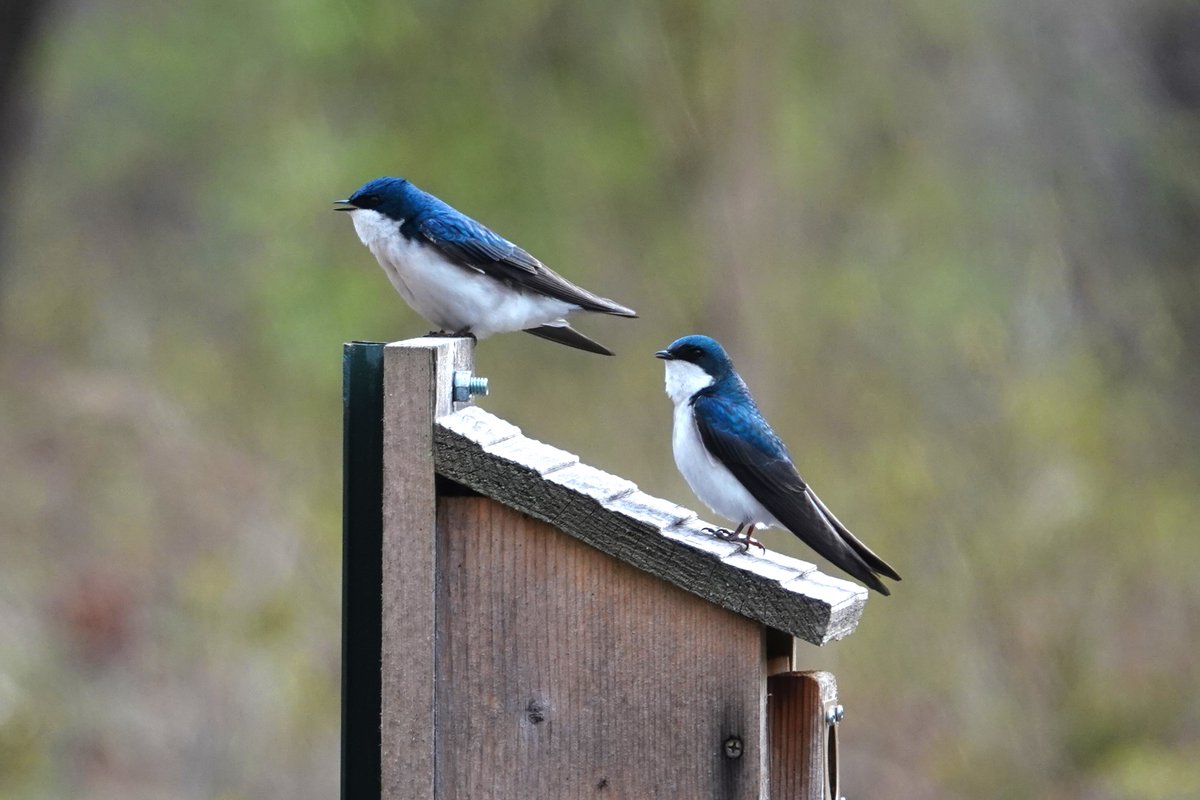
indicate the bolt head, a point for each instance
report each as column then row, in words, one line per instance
column 464, row 385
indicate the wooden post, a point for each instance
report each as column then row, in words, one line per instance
column 417, row 387
column 802, row 728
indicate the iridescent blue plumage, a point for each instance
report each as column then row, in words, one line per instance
column 736, row 463
column 461, row 275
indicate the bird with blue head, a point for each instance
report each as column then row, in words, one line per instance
column 739, row 467
column 460, row 275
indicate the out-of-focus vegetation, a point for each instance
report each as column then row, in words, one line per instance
column 954, row 247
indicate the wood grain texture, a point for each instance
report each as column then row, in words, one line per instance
column 565, row 674
column 666, row 540
column 416, row 389
column 799, row 736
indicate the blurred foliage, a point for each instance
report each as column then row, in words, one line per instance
column 952, row 246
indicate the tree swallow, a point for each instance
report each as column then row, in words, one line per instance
column 461, row 276
column 738, row 466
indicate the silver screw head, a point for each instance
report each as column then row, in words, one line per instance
column 834, row 714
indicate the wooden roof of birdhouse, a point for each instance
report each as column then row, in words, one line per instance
column 492, row 457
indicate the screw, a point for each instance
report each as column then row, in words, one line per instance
column 465, row 385
column 535, row 712
column 834, row 714
column 733, row 747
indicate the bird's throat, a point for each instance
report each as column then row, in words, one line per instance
column 684, row 379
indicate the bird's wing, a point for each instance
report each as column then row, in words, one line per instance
column 471, row 244
column 745, row 444
column 466, row 242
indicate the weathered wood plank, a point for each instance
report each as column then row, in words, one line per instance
column 418, row 374
column 799, row 735
column 566, row 674
column 654, row 535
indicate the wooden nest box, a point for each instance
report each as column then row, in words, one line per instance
column 520, row 625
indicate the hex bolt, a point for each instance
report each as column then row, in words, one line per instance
column 465, row 385
column 834, row 714
column 733, row 747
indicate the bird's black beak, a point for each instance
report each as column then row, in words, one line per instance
column 665, row 355
column 346, row 205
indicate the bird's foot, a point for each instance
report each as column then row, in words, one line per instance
column 747, row 541
column 737, row 537
column 443, row 334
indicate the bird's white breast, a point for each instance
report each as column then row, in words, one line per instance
column 715, row 485
column 453, row 297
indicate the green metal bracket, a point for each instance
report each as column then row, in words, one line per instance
column 362, row 567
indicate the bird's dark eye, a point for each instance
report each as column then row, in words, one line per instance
column 367, row 201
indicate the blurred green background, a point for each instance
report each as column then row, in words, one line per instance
column 953, row 247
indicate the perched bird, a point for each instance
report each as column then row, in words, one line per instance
column 737, row 465
column 461, row 276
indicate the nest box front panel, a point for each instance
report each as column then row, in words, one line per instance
column 563, row 673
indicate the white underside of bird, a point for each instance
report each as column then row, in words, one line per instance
column 709, row 479
column 453, row 297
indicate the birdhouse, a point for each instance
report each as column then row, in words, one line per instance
column 518, row 624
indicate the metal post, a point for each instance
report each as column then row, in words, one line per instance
column 362, row 572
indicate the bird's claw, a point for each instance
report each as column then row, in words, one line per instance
column 747, row 541
column 737, row 537
column 465, row 332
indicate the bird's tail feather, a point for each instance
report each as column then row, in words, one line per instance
column 811, row 522
column 873, row 561
column 565, row 334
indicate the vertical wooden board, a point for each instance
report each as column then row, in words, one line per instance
column 798, row 733
column 564, row 673
column 416, row 389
